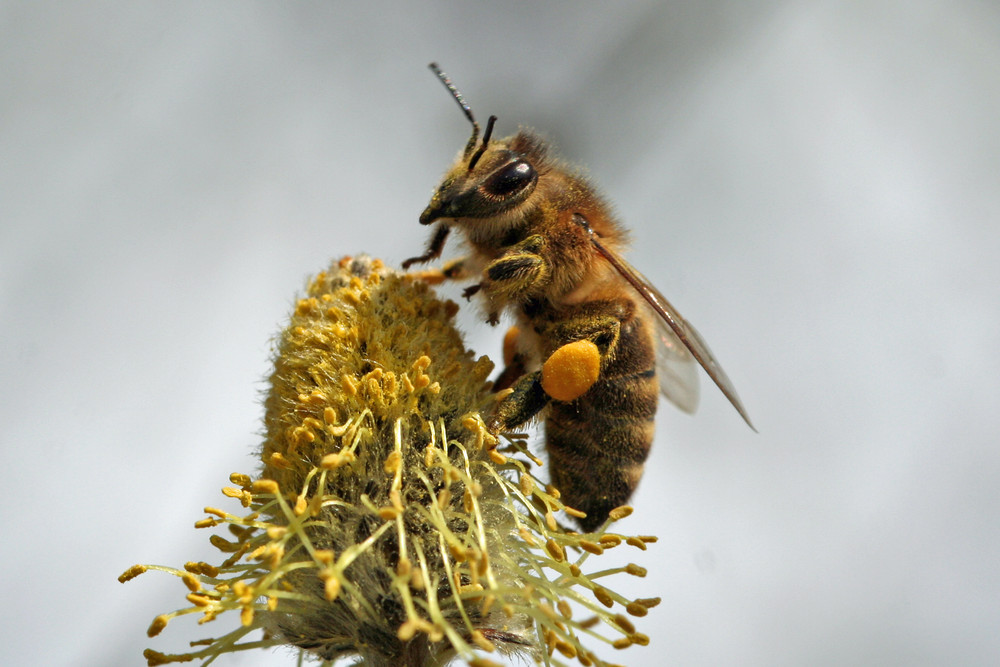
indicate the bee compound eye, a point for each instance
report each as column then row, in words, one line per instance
column 509, row 179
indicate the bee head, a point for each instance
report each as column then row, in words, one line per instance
column 489, row 179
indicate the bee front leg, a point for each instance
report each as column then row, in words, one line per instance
column 434, row 247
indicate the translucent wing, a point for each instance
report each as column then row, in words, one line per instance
column 675, row 368
column 684, row 333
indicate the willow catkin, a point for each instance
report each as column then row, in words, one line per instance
column 385, row 525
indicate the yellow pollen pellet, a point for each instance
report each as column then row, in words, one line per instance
column 246, row 616
column 571, row 370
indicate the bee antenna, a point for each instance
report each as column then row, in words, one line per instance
column 466, row 109
column 486, row 140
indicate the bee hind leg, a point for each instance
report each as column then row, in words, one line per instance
column 521, row 406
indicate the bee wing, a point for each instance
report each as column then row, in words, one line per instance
column 686, row 334
column 675, row 367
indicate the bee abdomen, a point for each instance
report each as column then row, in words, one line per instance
column 598, row 443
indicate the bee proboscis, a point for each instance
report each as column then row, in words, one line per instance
column 546, row 247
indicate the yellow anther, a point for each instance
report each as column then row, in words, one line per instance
column 156, row 627
column 131, row 573
column 620, row 512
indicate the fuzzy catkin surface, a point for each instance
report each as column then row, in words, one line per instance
column 353, row 344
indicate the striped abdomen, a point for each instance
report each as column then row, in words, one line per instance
column 597, row 444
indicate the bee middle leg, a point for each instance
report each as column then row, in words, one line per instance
column 598, row 321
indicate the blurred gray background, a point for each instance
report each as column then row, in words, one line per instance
column 815, row 184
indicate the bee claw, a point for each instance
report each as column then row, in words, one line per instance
column 493, row 426
column 493, row 319
column 469, row 292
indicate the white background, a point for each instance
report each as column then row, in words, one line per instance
column 815, row 184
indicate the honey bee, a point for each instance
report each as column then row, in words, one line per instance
column 546, row 247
